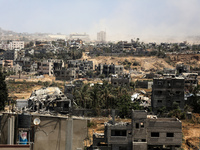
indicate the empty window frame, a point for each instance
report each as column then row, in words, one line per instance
column 155, row 134
column 137, row 125
column 169, row 134
column 118, row 132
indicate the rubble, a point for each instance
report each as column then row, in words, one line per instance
column 49, row 99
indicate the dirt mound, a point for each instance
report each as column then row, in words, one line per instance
column 144, row 63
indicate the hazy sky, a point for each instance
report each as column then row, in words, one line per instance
column 122, row 19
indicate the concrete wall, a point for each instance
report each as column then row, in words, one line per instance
column 164, row 126
column 139, row 146
column 60, row 133
column 15, row 147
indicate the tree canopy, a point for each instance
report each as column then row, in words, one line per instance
column 3, row 91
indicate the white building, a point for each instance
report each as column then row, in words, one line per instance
column 16, row 45
column 75, row 36
column 101, row 36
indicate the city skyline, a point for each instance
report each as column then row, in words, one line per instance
column 121, row 19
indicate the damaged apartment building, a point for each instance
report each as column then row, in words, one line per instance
column 75, row 69
column 166, row 91
column 107, row 69
column 49, row 66
column 121, row 80
column 142, row 133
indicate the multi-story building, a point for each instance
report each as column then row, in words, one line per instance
column 45, row 67
column 144, row 132
column 16, row 45
column 166, row 91
column 10, row 55
column 109, row 69
column 101, row 36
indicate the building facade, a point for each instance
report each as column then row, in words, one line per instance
column 144, row 132
column 167, row 91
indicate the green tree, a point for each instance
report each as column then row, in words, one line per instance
column 82, row 97
column 3, row 91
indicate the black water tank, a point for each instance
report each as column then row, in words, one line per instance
column 24, row 121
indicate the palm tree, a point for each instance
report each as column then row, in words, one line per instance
column 107, row 98
column 94, row 95
column 82, row 96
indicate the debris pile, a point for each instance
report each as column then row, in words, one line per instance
column 49, row 99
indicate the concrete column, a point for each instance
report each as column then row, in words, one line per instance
column 11, row 130
column 69, row 134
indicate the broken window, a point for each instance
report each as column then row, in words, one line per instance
column 159, row 101
column 137, row 125
column 118, row 132
column 170, row 134
column 155, row 134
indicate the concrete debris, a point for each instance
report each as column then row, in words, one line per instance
column 49, row 99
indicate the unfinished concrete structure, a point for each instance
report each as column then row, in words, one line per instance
column 166, row 91
column 144, row 132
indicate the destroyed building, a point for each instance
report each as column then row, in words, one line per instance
column 121, row 80
column 144, row 132
column 181, row 68
column 65, row 74
column 169, row 71
column 109, row 69
column 191, row 80
column 49, row 99
column 166, row 91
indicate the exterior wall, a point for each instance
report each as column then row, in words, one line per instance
column 14, row 147
column 139, row 126
column 164, row 126
column 139, row 146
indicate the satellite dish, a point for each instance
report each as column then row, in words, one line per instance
column 36, row 121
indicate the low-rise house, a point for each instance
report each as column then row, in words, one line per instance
column 144, row 132
column 122, row 80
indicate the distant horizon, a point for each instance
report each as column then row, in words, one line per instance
column 120, row 19
column 162, row 38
